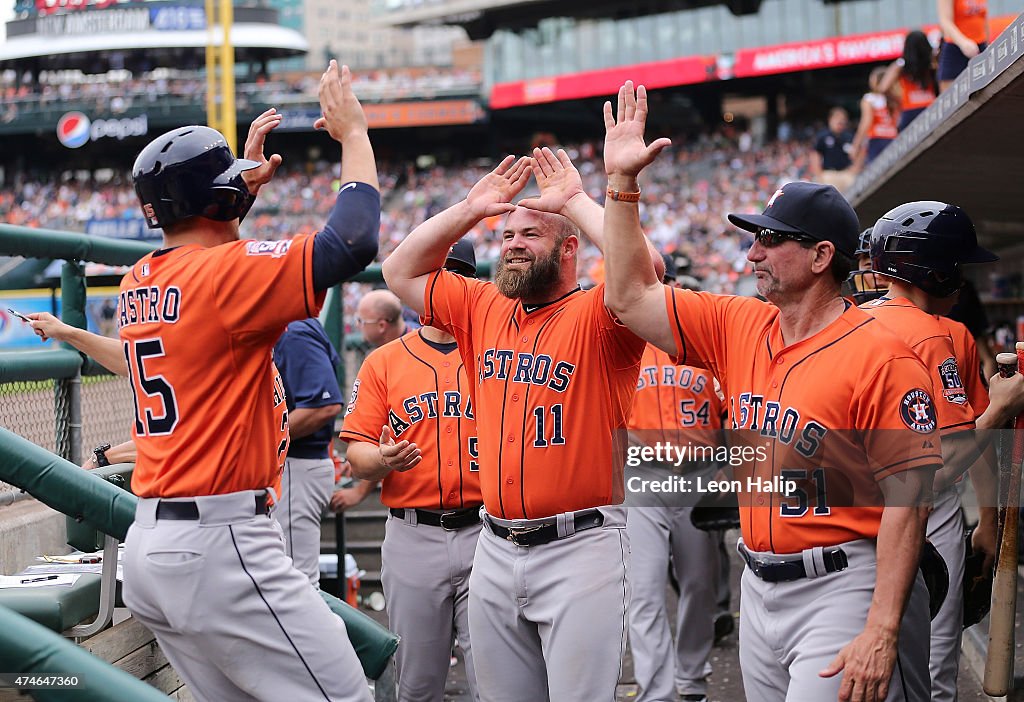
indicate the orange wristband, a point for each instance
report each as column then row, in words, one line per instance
column 623, row 197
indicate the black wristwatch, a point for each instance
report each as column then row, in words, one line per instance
column 100, row 452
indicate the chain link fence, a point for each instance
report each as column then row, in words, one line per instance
column 107, row 412
column 40, row 411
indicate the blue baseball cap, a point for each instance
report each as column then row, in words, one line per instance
column 818, row 211
column 461, row 258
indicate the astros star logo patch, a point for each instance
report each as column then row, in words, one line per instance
column 918, row 412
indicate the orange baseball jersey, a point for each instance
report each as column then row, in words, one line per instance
column 971, row 18
column 930, row 340
column 197, row 326
column 914, row 96
column 423, row 394
column 674, row 404
column 967, row 359
column 882, row 124
column 552, row 390
column 802, row 411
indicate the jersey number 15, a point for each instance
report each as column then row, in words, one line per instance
column 150, row 423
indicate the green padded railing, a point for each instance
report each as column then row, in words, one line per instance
column 32, row 649
column 70, row 246
column 67, row 488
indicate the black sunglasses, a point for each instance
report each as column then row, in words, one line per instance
column 769, row 237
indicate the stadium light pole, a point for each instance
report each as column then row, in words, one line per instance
column 220, row 70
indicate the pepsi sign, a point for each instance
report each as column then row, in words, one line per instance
column 75, row 129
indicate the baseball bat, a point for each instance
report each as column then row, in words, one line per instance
column 999, row 662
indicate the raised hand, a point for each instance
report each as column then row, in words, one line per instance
column 343, row 116
column 557, row 178
column 625, row 152
column 256, row 178
column 399, row 456
column 492, row 194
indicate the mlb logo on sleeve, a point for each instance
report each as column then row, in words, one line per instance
column 274, row 249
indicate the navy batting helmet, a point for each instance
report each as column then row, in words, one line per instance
column 864, row 246
column 925, row 243
column 189, row 172
column 865, row 285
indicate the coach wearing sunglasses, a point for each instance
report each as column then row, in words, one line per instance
column 837, row 405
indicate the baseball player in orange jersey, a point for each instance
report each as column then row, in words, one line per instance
column 205, row 569
column 831, row 584
column 920, row 247
column 554, row 375
column 410, row 422
column 380, row 321
column 674, row 405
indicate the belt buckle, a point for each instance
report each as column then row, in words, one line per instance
column 444, row 526
column 758, row 565
column 514, row 533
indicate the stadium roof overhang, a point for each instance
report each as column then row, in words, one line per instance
column 480, row 18
column 965, row 149
column 272, row 40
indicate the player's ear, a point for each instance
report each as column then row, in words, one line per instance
column 824, row 252
column 570, row 246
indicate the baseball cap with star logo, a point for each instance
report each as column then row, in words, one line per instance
column 818, row 211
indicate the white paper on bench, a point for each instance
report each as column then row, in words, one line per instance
column 35, row 580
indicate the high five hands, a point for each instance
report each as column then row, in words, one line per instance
column 625, row 155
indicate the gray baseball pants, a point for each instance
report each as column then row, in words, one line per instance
column 658, row 537
column 425, row 573
column 946, row 532
column 790, row 631
column 549, row 622
column 306, row 487
column 234, row 617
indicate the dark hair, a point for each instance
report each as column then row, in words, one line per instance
column 841, row 263
column 841, row 267
column 917, row 60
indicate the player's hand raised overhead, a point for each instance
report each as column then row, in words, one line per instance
column 400, row 456
column 256, row 178
column 625, row 152
column 343, row 116
column 557, row 178
column 492, row 194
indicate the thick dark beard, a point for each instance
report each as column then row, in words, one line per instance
column 535, row 283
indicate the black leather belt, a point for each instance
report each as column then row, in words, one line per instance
column 788, row 570
column 545, row 533
column 449, row 521
column 185, row 510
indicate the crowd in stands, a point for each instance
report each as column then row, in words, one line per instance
column 117, row 91
column 686, row 196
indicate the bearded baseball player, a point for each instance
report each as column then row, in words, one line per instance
column 410, row 422
column 205, row 569
column 674, row 405
column 831, row 584
column 920, row 247
column 554, row 374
